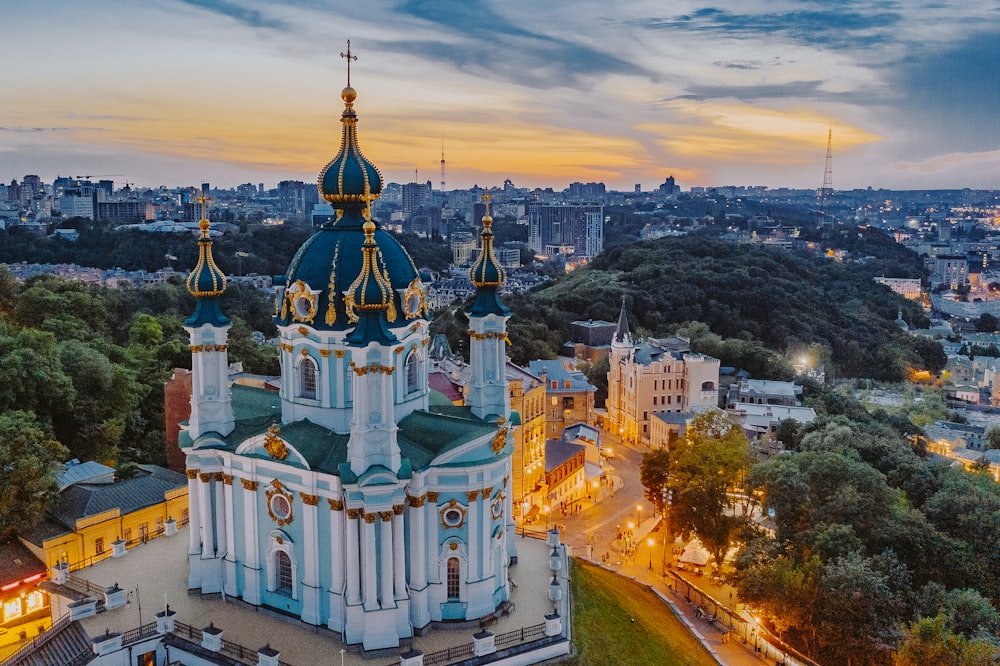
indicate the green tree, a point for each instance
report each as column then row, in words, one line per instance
column 29, row 460
column 654, row 473
column 993, row 437
column 930, row 640
column 705, row 466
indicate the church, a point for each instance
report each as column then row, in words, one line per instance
column 355, row 497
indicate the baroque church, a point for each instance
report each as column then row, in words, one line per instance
column 355, row 497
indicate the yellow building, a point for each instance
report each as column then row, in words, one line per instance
column 655, row 376
column 569, row 396
column 527, row 400
column 90, row 517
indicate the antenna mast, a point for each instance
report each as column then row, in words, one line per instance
column 826, row 191
column 442, row 160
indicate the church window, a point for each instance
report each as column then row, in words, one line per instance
column 283, row 572
column 454, row 570
column 280, row 506
column 412, row 372
column 307, row 379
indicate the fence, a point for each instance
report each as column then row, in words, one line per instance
column 38, row 641
column 234, row 650
column 132, row 543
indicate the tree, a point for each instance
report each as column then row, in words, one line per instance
column 986, row 323
column 29, row 459
column 930, row 640
column 654, row 472
column 993, row 437
column 705, row 466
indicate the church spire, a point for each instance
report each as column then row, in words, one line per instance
column 207, row 281
column 487, row 274
column 369, row 298
column 622, row 334
column 211, row 405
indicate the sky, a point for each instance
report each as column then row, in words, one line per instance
column 541, row 92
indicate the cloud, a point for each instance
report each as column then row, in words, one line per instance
column 38, row 130
column 244, row 15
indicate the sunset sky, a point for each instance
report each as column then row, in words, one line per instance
column 543, row 92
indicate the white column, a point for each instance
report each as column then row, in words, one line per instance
column 353, row 560
column 399, row 553
column 486, row 521
column 385, row 562
column 251, row 569
column 230, row 560
column 418, row 542
column 194, row 513
column 369, row 575
column 220, row 513
column 474, row 520
column 336, row 547
column 208, row 536
column 433, row 545
column 310, row 574
column 338, row 369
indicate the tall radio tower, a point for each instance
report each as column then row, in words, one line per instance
column 826, row 191
column 442, row 160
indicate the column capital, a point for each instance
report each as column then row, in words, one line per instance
column 416, row 502
column 398, row 510
column 432, row 497
column 227, row 479
column 386, row 516
column 472, row 496
column 335, row 505
column 487, row 491
column 369, row 518
column 248, row 484
column 309, row 500
column 354, row 514
column 192, row 474
column 206, row 476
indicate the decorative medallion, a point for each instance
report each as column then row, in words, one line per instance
column 415, row 299
column 453, row 515
column 496, row 507
column 279, row 503
column 499, row 440
column 274, row 445
column 302, row 301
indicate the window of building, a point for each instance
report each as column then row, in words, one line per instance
column 454, row 571
column 99, row 545
column 412, row 372
column 35, row 601
column 159, row 525
column 307, row 379
column 708, row 386
column 128, row 534
column 654, row 401
column 185, row 517
column 11, row 609
column 283, row 572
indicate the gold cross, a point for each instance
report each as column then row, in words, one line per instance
column 203, row 199
column 349, row 59
column 486, row 197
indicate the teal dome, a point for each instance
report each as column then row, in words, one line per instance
column 349, row 180
column 206, row 283
column 487, row 274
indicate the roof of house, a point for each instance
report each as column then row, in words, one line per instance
column 558, row 451
column 89, row 471
column 555, row 371
column 83, row 500
column 17, row 562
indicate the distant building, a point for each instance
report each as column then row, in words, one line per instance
column 655, row 376
column 566, row 229
column 527, row 401
column 764, row 392
column 905, row 287
column 568, row 394
column 565, row 473
column 589, row 340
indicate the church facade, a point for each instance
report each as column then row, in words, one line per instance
column 354, row 497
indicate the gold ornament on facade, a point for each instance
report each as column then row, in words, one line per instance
column 452, row 515
column 370, row 518
column 301, row 301
column 325, row 353
column 472, row 496
column 227, row 479
column 415, row 299
column 249, row 485
column 309, row 500
column 432, row 496
column 279, row 503
column 499, row 440
column 192, row 474
column 206, row 477
column 303, row 330
column 335, row 505
column 331, row 308
column 398, row 509
column 339, row 353
column 386, row 516
column 353, row 514
column 273, row 444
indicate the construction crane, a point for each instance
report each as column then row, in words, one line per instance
column 105, row 175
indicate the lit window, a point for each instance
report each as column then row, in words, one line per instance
column 454, row 570
column 12, row 608
column 99, row 545
column 307, row 377
column 35, row 601
column 283, row 572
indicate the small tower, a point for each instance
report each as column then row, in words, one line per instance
column 622, row 350
column 211, row 407
column 373, row 425
column 488, row 317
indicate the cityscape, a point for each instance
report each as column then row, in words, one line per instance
column 624, row 335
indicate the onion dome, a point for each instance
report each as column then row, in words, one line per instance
column 322, row 273
column 369, row 298
column 206, row 283
column 487, row 273
column 349, row 181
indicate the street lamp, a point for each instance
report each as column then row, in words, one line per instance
column 638, row 514
column 546, row 509
column 341, row 656
column 650, row 543
column 239, row 261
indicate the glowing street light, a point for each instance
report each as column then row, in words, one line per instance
column 650, row 543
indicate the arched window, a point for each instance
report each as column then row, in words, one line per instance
column 708, row 386
column 454, row 570
column 307, row 379
column 282, row 572
column 412, row 372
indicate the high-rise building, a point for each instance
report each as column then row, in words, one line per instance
column 415, row 195
column 575, row 230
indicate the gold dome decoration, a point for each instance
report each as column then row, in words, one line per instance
column 371, row 290
column 273, row 444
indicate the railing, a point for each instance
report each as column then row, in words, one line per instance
column 38, row 641
column 522, row 635
column 94, row 559
column 234, row 650
column 449, row 655
column 83, row 585
column 139, row 633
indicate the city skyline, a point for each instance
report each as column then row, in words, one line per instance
column 726, row 94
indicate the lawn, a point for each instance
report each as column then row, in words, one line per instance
column 617, row 622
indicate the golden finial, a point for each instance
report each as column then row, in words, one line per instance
column 487, row 220
column 203, row 199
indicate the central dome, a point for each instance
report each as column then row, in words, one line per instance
column 323, row 270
